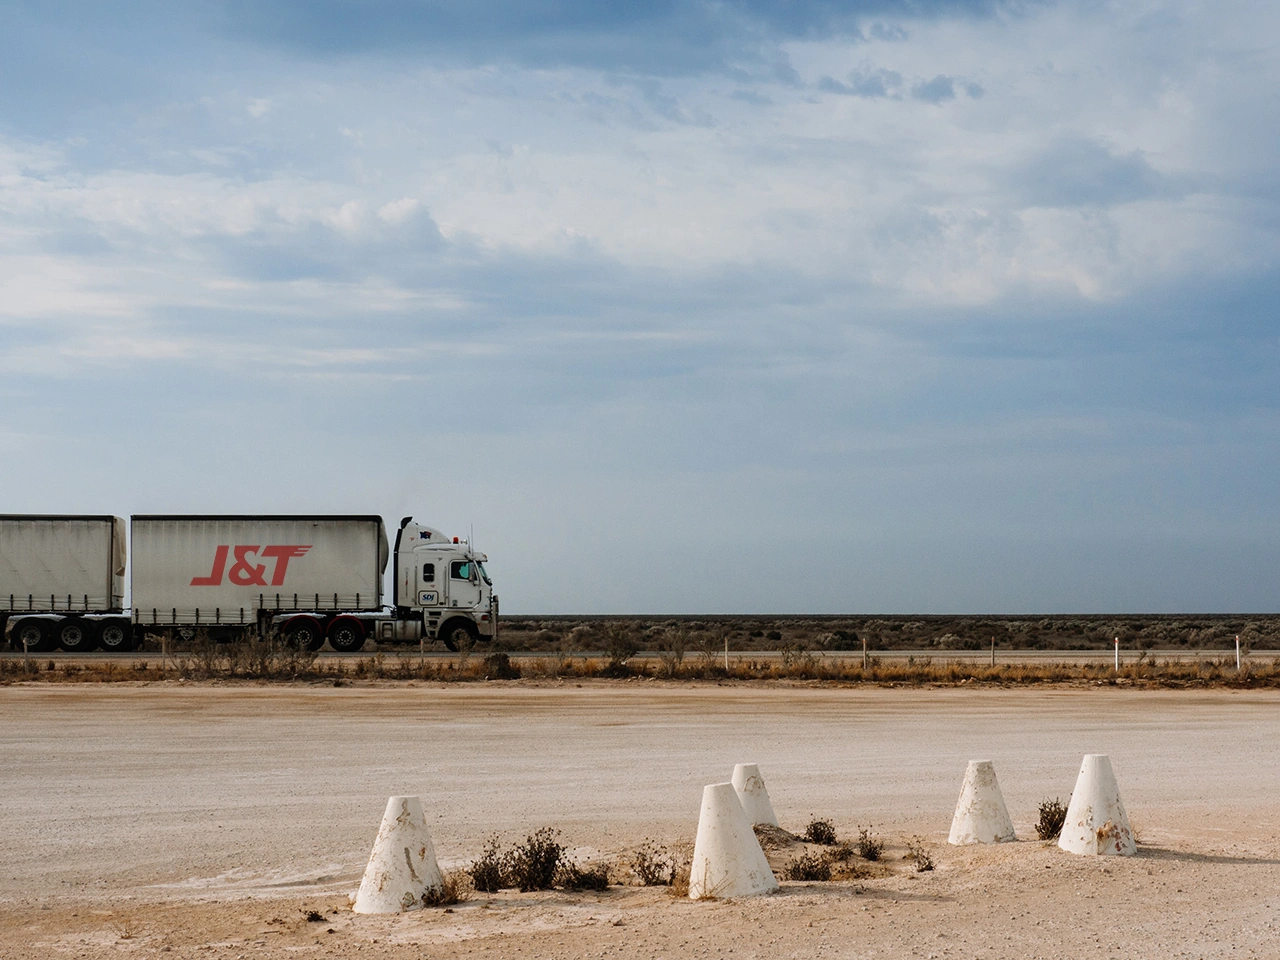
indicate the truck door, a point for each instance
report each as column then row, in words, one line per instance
column 464, row 584
column 429, row 592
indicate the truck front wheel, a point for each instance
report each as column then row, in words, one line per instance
column 459, row 635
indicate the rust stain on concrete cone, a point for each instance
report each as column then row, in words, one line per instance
column 752, row 794
column 981, row 816
column 1096, row 823
column 402, row 867
column 727, row 858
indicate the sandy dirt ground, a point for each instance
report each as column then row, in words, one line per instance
column 209, row 821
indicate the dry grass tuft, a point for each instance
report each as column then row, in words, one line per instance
column 454, row 888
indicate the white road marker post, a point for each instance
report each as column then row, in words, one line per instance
column 726, row 651
column 864, row 651
column 993, row 651
column 1237, row 653
column 1117, row 654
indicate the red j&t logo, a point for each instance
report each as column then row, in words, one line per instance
column 245, row 572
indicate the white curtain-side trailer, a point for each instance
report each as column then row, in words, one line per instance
column 62, row 581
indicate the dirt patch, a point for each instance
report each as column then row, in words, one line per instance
column 213, row 821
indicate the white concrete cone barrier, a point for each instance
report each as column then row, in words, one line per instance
column 981, row 816
column 753, row 795
column 727, row 858
column 1096, row 822
column 402, row 867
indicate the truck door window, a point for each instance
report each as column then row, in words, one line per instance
column 428, row 573
column 460, row 570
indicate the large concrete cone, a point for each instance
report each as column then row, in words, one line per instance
column 402, row 867
column 727, row 859
column 1096, row 822
column 981, row 816
column 753, row 796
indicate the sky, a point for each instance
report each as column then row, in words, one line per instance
column 747, row 306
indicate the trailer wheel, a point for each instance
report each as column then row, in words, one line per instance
column 115, row 637
column 346, row 634
column 303, row 633
column 32, row 635
column 459, row 635
column 75, row 636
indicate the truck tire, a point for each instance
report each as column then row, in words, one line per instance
column 346, row 634
column 459, row 635
column 303, row 633
column 75, row 635
column 33, row 635
column 116, row 636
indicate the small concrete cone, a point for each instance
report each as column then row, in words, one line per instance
column 753, row 795
column 1096, row 823
column 727, row 859
column 402, row 867
column 981, row 816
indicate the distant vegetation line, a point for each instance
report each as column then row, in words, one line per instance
column 817, row 632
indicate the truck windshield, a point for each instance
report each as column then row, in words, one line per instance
column 484, row 573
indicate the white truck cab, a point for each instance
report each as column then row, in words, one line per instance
column 441, row 583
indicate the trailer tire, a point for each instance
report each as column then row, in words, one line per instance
column 116, row 637
column 302, row 633
column 459, row 635
column 346, row 634
column 75, row 635
column 32, row 635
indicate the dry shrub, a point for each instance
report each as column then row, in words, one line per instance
column 1052, row 816
column 498, row 666
column 812, row 867
column 869, row 846
column 917, row 853
column 488, row 871
column 571, row 876
column 821, row 832
column 654, row 866
column 854, row 869
column 680, row 880
column 454, row 888
column 532, row 865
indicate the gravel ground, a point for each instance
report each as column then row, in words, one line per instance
column 209, row 820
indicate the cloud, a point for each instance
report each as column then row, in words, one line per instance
column 1083, row 172
column 874, row 83
column 666, row 36
column 937, row 90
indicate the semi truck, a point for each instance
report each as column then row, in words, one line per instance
column 309, row 579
